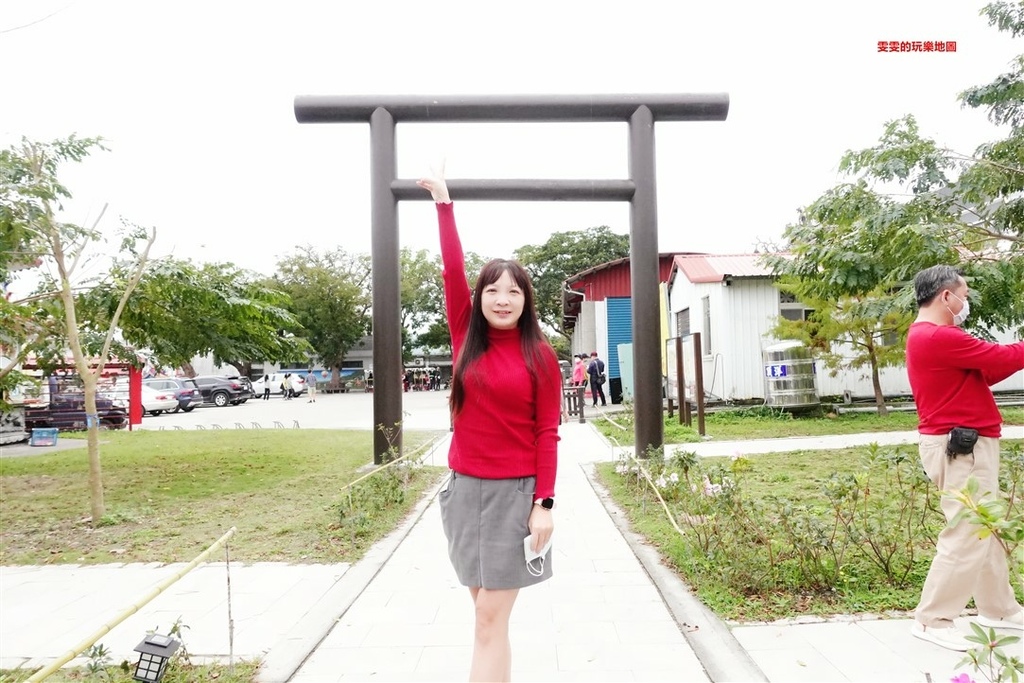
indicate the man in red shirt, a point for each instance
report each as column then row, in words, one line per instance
column 950, row 374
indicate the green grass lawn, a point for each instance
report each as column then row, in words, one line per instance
column 797, row 476
column 763, row 423
column 171, row 494
column 177, row 672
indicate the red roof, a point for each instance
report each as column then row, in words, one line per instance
column 716, row 267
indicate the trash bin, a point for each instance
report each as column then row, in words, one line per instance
column 46, row 436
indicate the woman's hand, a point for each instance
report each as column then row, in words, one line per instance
column 436, row 185
column 542, row 525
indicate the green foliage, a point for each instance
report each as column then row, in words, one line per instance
column 759, row 535
column 424, row 323
column 29, row 190
column 330, row 296
column 990, row 659
column 375, row 497
column 853, row 251
column 566, row 254
column 180, row 310
column 1002, row 518
column 99, row 659
column 422, row 298
column 30, row 195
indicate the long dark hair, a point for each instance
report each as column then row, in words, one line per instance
column 533, row 341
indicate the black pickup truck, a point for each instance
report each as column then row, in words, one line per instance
column 66, row 411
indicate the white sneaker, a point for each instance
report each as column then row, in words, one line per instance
column 1015, row 621
column 948, row 637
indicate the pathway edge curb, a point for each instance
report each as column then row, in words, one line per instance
column 713, row 642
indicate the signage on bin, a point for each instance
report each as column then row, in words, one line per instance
column 775, row 371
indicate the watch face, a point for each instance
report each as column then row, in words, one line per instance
column 547, row 503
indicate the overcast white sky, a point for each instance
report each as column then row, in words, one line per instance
column 196, row 101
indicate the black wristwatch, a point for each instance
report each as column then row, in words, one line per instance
column 546, row 503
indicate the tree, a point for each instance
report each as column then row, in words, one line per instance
column 330, row 294
column 565, row 254
column 422, row 298
column 424, row 323
column 911, row 203
column 32, row 196
column 848, row 259
column 181, row 310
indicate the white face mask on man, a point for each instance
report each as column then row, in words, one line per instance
column 965, row 310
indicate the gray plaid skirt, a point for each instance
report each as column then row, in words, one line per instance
column 485, row 521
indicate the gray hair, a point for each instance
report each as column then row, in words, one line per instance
column 931, row 281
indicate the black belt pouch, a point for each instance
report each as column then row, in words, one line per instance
column 961, row 441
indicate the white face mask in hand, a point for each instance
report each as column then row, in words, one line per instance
column 532, row 557
column 965, row 310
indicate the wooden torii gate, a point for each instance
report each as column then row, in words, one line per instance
column 640, row 112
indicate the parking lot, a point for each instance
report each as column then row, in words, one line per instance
column 421, row 410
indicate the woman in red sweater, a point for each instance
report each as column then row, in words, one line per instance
column 505, row 403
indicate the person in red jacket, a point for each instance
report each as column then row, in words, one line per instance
column 950, row 374
column 506, row 399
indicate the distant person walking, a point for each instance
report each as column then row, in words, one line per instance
column 311, row 387
column 597, row 378
column 579, row 372
column 286, row 386
column 950, row 373
column 266, row 387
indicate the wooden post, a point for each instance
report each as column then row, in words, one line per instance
column 698, row 381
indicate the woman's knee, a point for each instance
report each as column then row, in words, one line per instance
column 493, row 609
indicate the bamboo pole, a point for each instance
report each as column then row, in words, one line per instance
column 106, row 628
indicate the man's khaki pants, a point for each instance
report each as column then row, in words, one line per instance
column 964, row 565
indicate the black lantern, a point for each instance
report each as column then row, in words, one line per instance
column 154, row 653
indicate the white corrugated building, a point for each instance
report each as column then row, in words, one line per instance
column 733, row 302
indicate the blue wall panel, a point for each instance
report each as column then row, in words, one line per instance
column 620, row 330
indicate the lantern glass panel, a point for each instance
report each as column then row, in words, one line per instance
column 150, row 667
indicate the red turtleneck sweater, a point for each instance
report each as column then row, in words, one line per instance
column 508, row 425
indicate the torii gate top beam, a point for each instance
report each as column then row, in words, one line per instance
column 510, row 108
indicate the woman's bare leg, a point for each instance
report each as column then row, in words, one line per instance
column 492, row 651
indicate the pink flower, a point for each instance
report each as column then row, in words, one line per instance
column 962, row 678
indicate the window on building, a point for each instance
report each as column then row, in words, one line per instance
column 683, row 322
column 791, row 309
column 706, row 336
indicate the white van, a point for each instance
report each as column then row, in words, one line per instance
column 276, row 378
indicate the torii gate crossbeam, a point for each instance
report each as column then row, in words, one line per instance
column 640, row 112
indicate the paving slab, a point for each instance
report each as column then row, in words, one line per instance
column 47, row 610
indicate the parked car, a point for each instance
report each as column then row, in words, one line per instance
column 246, row 384
column 156, row 401
column 66, row 410
column 221, row 391
column 276, row 378
column 185, row 390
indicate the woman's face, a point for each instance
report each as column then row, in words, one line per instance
column 502, row 303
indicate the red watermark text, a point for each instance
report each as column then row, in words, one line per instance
column 917, row 46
